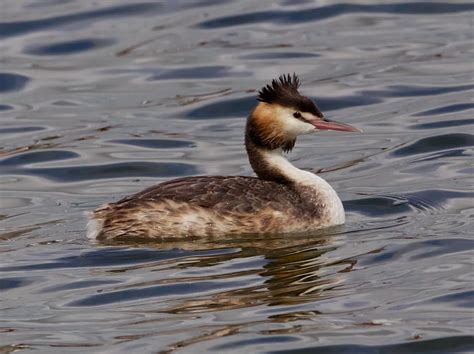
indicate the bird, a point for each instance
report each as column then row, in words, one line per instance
column 280, row 199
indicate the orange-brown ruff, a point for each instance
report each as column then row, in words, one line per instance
column 281, row 199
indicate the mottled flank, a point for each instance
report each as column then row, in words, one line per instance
column 208, row 206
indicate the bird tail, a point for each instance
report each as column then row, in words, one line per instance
column 95, row 223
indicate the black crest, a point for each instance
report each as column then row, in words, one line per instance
column 284, row 91
column 285, row 86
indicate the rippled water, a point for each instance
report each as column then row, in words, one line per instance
column 102, row 98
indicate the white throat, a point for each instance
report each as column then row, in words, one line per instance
column 322, row 190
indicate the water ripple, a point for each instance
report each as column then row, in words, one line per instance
column 13, row 283
column 108, row 257
column 79, row 285
column 461, row 299
column 169, row 290
column 4, row 107
column 421, row 250
column 69, row 174
column 203, row 72
column 443, row 345
column 155, row 143
column 15, row 165
column 330, row 11
column 436, row 143
column 418, row 90
column 36, row 157
column 278, row 55
column 69, row 47
column 16, row 130
column 377, row 206
column 444, row 124
column 9, row 29
column 12, row 82
column 452, row 108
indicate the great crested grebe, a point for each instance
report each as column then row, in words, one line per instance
column 281, row 199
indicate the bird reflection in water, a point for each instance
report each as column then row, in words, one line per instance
column 279, row 270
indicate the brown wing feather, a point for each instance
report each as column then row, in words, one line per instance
column 222, row 193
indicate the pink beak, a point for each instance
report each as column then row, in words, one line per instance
column 324, row 124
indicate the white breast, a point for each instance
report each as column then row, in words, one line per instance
column 327, row 196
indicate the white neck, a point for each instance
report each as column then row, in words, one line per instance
column 322, row 192
column 277, row 160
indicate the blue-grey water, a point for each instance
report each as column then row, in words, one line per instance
column 102, row 98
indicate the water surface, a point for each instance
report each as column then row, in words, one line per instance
column 101, row 99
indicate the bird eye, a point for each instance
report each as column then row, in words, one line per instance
column 297, row 115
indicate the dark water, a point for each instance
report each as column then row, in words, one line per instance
column 102, row 98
